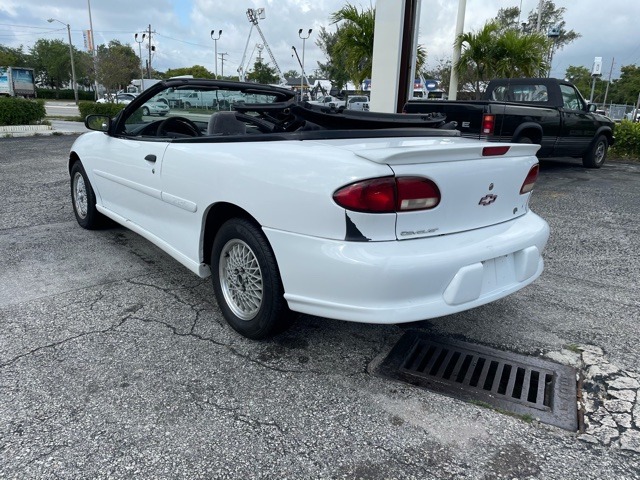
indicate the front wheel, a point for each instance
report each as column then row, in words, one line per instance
column 597, row 153
column 83, row 199
column 246, row 280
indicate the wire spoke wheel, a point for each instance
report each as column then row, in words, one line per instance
column 80, row 195
column 241, row 279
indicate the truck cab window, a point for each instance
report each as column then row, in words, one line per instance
column 571, row 99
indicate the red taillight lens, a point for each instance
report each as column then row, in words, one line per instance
column 530, row 181
column 493, row 151
column 373, row 196
column 488, row 123
column 389, row 195
column 415, row 193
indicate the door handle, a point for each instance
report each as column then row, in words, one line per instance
column 150, row 158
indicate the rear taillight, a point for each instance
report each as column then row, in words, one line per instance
column 530, row 181
column 389, row 195
column 488, row 123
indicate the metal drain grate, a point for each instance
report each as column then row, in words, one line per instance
column 511, row 382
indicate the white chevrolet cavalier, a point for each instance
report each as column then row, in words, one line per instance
column 354, row 216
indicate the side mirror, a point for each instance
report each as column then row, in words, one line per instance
column 101, row 123
column 592, row 107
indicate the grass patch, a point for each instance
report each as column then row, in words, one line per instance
column 572, row 347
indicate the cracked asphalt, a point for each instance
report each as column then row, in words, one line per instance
column 115, row 361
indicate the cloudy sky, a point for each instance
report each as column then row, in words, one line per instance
column 182, row 27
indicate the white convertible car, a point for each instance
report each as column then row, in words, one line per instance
column 359, row 216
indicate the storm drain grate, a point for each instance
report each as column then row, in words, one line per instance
column 512, row 382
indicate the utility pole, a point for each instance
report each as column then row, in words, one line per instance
column 222, row 60
column 540, row 5
column 94, row 51
column 149, row 63
column 606, row 92
column 453, row 81
column 73, row 67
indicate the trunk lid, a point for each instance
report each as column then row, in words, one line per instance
column 476, row 190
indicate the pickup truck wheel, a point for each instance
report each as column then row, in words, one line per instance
column 246, row 280
column 524, row 140
column 597, row 154
column 83, row 199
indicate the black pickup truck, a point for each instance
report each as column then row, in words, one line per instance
column 546, row 111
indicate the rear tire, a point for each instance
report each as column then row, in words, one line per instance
column 83, row 199
column 246, row 281
column 524, row 140
column 597, row 153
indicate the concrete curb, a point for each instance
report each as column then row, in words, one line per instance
column 57, row 127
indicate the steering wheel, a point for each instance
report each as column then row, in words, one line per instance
column 179, row 127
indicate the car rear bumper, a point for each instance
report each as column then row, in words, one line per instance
column 409, row 280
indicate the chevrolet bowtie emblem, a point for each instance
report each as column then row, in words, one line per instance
column 487, row 200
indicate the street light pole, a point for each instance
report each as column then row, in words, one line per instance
column 73, row 68
column 94, row 52
column 144, row 35
column 304, row 39
column 215, row 42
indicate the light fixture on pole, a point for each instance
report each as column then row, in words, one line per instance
column 304, row 39
column 215, row 42
column 139, row 42
column 73, row 67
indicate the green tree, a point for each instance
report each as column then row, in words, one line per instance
column 492, row 53
column 581, row 78
column 198, row 71
column 334, row 69
column 118, row 64
column 291, row 74
column 353, row 43
column 519, row 55
column 14, row 57
column 626, row 88
column 263, row 73
column 52, row 62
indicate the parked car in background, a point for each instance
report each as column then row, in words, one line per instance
column 123, row 98
column 544, row 111
column 155, row 108
column 358, row 216
column 358, row 102
column 328, row 101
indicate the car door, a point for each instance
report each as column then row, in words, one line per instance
column 577, row 128
column 128, row 179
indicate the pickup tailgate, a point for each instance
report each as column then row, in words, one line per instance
column 477, row 189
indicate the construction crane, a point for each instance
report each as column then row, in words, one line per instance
column 254, row 15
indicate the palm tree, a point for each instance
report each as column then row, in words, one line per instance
column 354, row 43
column 491, row 53
column 477, row 54
column 520, row 55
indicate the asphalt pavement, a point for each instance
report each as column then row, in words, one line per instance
column 115, row 361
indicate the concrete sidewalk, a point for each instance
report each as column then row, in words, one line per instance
column 57, row 127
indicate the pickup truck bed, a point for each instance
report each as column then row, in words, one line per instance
column 548, row 112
